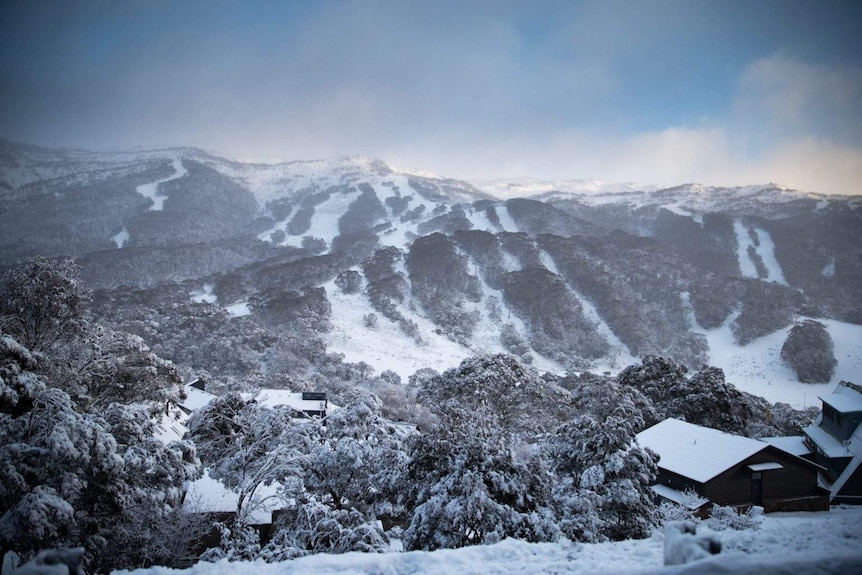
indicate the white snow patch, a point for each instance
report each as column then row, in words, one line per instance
column 386, row 346
column 766, row 251
column 151, row 190
column 510, row 262
column 548, row 262
column 121, row 238
column 480, row 220
column 743, row 241
column 506, row 222
column 239, row 309
column 767, row 254
column 204, row 295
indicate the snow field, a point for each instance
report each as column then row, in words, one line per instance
column 506, row 222
column 821, row 542
column 480, row 220
column 757, row 368
column 385, row 346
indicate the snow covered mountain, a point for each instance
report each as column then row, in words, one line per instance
column 277, row 269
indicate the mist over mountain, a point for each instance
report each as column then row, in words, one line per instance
column 276, row 272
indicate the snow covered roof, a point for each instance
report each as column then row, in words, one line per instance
column 843, row 402
column 766, row 466
column 794, row 445
column 277, row 397
column 208, row 495
column 171, row 426
column 196, row 398
column 830, row 446
column 696, row 452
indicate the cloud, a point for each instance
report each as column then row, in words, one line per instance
column 791, row 122
column 784, row 98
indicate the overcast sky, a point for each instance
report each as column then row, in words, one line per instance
column 725, row 92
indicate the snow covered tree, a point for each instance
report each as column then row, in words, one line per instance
column 704, row 398
column 809, row 351
column 467, row 488
column 42, row 302
column 604, row 476
column 308, row 526
column 355, row 461
column 43, row 306
column 520, row 400
column 245, row 445
column 67, row 480
column 348, row 482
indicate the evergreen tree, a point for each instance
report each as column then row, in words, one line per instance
column 604, row 477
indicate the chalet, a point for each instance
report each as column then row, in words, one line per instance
column 835, row 439
column 308, row 403
column 700, row 465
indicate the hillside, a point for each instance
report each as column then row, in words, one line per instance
column 276, row 273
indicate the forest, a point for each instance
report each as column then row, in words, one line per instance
column 485, row 451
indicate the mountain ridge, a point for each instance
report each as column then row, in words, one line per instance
column 296, row 250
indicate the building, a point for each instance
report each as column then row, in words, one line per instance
column 700, row 465
column 309, row 403
column 835, row 439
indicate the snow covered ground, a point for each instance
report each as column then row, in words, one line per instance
column 788, row 543
column 757, row 367
column 151, row 190
column 386, row 346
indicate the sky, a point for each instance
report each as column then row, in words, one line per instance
column 658, row 92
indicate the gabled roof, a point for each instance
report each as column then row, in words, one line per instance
column 794, row 444
column 696, row 452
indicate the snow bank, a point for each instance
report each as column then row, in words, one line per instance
column 818, row 543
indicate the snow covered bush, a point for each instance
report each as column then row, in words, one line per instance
column 307, row 526
column 237, row 542
column 670, row 512
column 723, row 517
